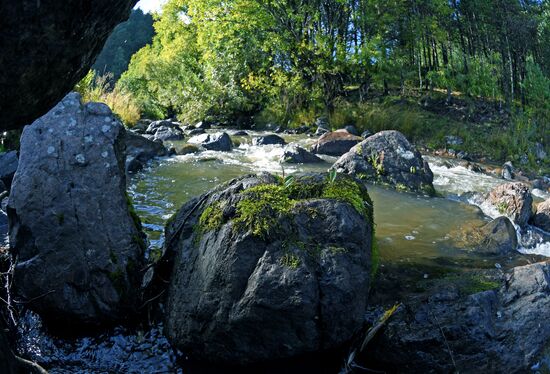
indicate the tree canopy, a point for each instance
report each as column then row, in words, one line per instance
column 278, row 58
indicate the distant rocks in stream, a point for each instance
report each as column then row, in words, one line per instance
column 219, row 141
column 388, row 158
column 266, row 271
column 77, row 241
column 514, row 200
column 139, row 150
column 335, row 143
column 294, row 154
column 8, row 165
column 270, row 139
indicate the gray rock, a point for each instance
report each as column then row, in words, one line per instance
column 542, row 216
column 168, row 133
column 498, row 237
column 243, row 292
column 187, row 149
column 352, row 130
column 495, row 331
column 388, row 157
column 203, row 125
column 156, row 125
column 8, row 166
column 139, row 150
column 508, row 171
column 268, row 140
column 219, row 141
column 321, row 130
column 322, row 122
column 335, row 143
column 72, row 229
column 49, row 48
column 193, row 132
column 141, row 126
column 239, row 133
column 514, row 200
column 294, row 154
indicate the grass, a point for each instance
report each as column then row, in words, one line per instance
column 98, row 89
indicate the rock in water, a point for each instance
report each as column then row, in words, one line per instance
column 139, row 150
column 388, row 157
column 497, row 237
column 294, row 154
column 265, row 270
column 219, row 141
column 513, row 200
column 542, row 216
column 268, row 140
column 335, row 143
column 77, row 241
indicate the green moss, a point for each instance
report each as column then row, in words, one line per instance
column 291, row 260
column 211, row 217
column 401, row 187
column 337, row 250
column 132, row 211
column 347, row 190
column 502, row 207
column 261, row 208
column 476, row 283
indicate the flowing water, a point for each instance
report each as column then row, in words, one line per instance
column 410, row 229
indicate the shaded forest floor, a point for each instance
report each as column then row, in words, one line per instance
column 489, row 134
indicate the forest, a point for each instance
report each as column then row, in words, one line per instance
column 290, row 62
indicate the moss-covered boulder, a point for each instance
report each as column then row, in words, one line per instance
column 267, row 268
column 388, row 158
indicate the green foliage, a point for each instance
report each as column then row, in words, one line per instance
column 211, row 217
column 125, row 40
column 290, row 260
column 98, row 89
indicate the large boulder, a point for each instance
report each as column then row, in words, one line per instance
column 294, row 154
column 77, row 242
column 542, row 216
column 335, row 143
column 387, row 157
column 497, row 237
column 266, row 270
column 493, row 331
column 270, row 139
column 219, row 141
column 139, row 150
column 514, row 200
column 50, row 46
